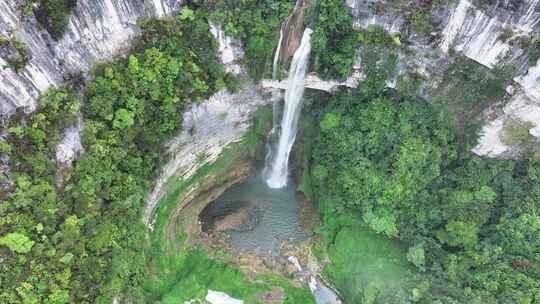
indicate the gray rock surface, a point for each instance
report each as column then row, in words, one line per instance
column 97, row 30
column 208, row 128
column 475, row 32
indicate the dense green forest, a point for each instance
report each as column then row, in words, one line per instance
column 391, row 163
column 75, row 235
column 390, row 172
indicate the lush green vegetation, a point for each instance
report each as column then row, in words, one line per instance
column 391, row 163
column 479, row 87
column 408, row 214
column 333, row 40
column 364, row 265
column 75, row 235
column 194, row 273
column 516, row 131
column 533, row 46
column 53, row 15
column 256, row 23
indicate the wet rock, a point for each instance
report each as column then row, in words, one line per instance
column 241, row 219
column 230, row 49
column 293, row 30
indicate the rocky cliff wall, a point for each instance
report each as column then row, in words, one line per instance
column 208, row 128
column 478, row 32
column 100, row 29
column 97, row 30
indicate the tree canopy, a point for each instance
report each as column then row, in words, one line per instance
column 391, row 161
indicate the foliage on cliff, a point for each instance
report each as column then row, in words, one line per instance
column 467, row 89
column 17, row 52
column 256, row 23
column 53, row 15
column 75, row 236
column 392, row 163
column 334, row 41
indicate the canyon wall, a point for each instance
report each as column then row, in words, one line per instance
column 97, row 31
column 208, row 128
column 100, row 29
column 477, row 32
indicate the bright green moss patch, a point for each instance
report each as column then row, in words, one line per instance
column 196, row 274
column 190, row 273
column 367, row 265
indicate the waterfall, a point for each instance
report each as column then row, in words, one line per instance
column 276, row 170
column 275, row 65
column 275, row 70
column 275, row 104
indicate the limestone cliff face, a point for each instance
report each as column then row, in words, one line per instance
column 100, row 29
column 474, row 31
column 476, row 34
column 97, row 30
column 208, row 128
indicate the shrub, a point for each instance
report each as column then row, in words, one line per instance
column 506, row 33
column 333, row 40
column 18, row 56
column 17, row 242
column 53, row 15
column 420, row 21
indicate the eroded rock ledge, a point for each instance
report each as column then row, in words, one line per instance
column 314, row 82
column 199, row 194
column 208, row 128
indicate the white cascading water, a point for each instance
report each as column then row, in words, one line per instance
column 275, row 64
column 275, row 105
column 276, row 170
column 275, row 70
column 274, row 132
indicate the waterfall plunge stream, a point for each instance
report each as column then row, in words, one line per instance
column 276, row 169
column 272, row 209
column 275, row 106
